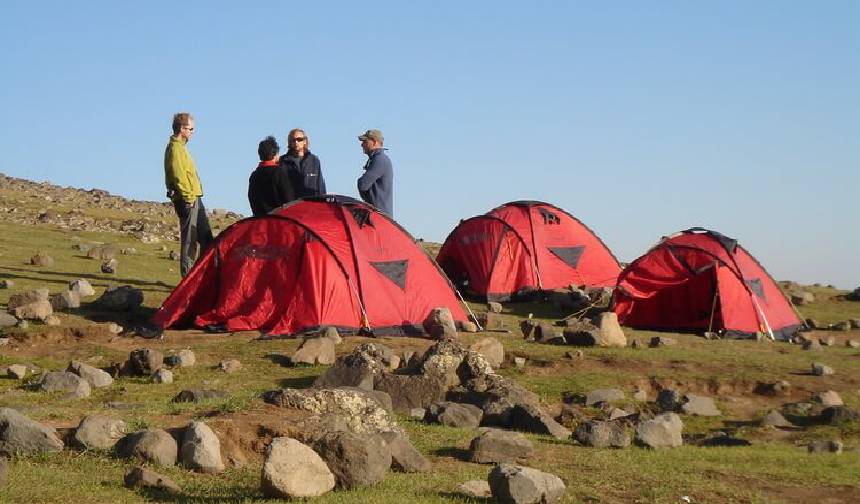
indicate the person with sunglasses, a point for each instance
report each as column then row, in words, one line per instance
column 303, row 165
column 186, row 193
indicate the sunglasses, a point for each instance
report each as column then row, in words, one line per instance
column 188, row 128
column 299, row 139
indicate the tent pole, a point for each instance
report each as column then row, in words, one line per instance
column 763, row 318
column 468, row 309
column 713, row 309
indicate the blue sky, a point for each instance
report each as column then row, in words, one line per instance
column 640, row 118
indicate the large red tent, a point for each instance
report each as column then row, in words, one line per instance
column 324, row 261
column 699, row 280
column 525, row 246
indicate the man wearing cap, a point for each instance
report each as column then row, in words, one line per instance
column 376, row 185
column 186, row 193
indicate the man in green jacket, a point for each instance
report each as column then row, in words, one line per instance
column 186, row 193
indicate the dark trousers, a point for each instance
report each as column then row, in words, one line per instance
column 195, row 236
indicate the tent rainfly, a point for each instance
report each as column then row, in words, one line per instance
column 315, row 262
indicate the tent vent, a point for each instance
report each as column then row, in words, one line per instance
column 393, row 270
column 570, row 255
column 549, row 217
column 756, row 286
column 730, row 244
column 361, row 216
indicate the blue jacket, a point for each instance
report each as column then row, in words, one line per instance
column 376, row 185
column 305, row 174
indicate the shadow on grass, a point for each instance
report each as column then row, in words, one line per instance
column 280, row 359
column 465, row 497
column 235, row 494
column 453, row 452
column 298, row 382
column 103, row 279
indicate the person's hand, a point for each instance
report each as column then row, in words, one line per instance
column 188, row 205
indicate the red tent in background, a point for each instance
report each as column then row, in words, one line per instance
column 524, row 246
column 324, row 261
column 700, row 279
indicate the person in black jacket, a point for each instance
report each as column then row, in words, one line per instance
column 303, row 166
column 269, row 186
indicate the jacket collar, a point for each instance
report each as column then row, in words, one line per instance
column 271, row 162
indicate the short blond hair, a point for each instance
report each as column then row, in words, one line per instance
column 179, row 120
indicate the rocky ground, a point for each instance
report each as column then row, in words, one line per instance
column 538, row 407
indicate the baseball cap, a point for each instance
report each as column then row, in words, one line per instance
column 373, row 134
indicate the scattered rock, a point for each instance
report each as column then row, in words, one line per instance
column 32, row 305
column 802, row 298
column 528, row 328
column 230, row 366
column 6, row 283
column 603, row 396
column 16, row 371
column 855, row 323
column 143, row 477
column 331, row 333
column 828, row 398
column 22, row 437
column 154, row 445
column 813, row 323
column 94, row 376
column 659, row 341
column 669, row 400
column 828, row 341
column 699, row 406
column 98, row 432
column 7, row 320
column 102, row 252
column 198, row 395
column 292, row 470
column 65, row 300
column 836, row 415
column 519, row 362
column 354, row 410
column 440, row 324
column 609, row 332
column 128, row 251
column 52, row 320
column 637, row 343
column 494, row 307
column 476, row 489
column 109, row 266
column 493, row 321
column 852, row 344
column 201, row 449
column 495, row 446
column 840, row 326
column 183, row 358
column 122, row 298
column 491, row 349
column 602, row 435
column 143, row 362
column 315, row 351
column 663, row 431
column 778, row 388
column 549, row 334
column 470, row 327
column 513, row 484
column 819, row 369
column 63, row 381
column 354, row 459
column 41, row 259
column 455, row 414
column 640, row 395
column 833, row 446
column 775, row 419
column 82, row 288
column 531, row 418
column 163, row 376
column 404, row 456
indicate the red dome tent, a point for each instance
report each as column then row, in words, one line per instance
column 524, row 246
column 698, row 280
column 323, row 261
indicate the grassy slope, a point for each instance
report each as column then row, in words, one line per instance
column 774, row 469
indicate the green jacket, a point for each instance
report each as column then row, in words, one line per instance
column 180, row 174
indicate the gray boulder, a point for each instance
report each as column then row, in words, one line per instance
column 142, row 477
column 63, row 381
column 82, row 288
column 609, row 332
column 669, row 400
column 819, row 369
column 699, row 406
column 660, row 341
column 198, row 395
column 17, row 371
column 836, row 415
column 65, row 300
column 154, row 445
column 802, row 298
column 94, row 376
column 293, row 470
column 828, row 398
column 3, row 470
column 201, row 449
column 163, row 376
column 603, row 396
column 494, row 307
column 98, row 432
column 356, row 369
column 349, row 410
column 315, row 351
column 532, row 418
column 663, row 431
column 20, row 436
column 455, row 414
column 775, row 419
column 491, row 349
column 230, row 366
column 831, row 446
column 7, row 320
column 182, row 358
column 354, row 459
column 411, row 391
column 404, row 456
column 440, row 324
column 122, row 298
column 495, row 446
column 144, row 362
column 476, row 489
column 513, row 484
column 599, row 434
